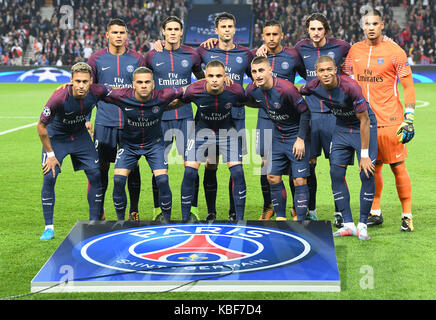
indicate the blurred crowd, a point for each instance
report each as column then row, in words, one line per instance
column 23, row 27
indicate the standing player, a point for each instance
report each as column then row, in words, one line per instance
column 143, row 108
column 114, row 66
column 285, row 62
column 62, row 131
column 172, row 68
column 355, row 131
column 322, row 121
column 236, row 60
column 377, row 64
column 214, row 135
column 289, row 148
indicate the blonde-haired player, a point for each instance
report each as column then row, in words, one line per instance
column 377, row 63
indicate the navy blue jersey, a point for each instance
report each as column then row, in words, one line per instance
column 237, row 62
column 345, row 101
column 283, row 104
column 284, row 65
column 142, row 120
column 65, row 115
column 214, row 111
column 173, row 69
column 335, row 48
column 113, row 70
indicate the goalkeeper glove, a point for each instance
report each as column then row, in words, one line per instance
column 406, row 131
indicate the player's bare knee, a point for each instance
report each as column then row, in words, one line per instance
column 300, row 181
column 273, row 179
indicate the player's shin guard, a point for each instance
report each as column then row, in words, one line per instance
column 104, row 178
column 231, row 198
column 94, row 195
column 301, row 201
column 239, row 190
column 266, row 192
column 134, row 186
column 119, row 196
column 404, row 186
column 155, row 192
column 340, row 190
column 187, row 191
column 312, row 185
column 197, row 187
column 165, row 195
column 48, row 196
column 367, row 191
column 278, row 199
column 210, row 185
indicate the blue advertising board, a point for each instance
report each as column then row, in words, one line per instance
column 103, row 256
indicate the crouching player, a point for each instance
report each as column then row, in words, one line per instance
column 355, row 131
column 62, row 131
column 290, row 114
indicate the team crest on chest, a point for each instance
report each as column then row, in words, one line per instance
column 130, row 68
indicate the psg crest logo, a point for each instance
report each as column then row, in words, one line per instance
column 193, row 249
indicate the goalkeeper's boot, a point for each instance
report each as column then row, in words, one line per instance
column 48, row 234
column 267, row 213
column 346, row 230
column 362, row 232
column 339, row 220
column 375, row 218
column 134, row 216
column 407, row 224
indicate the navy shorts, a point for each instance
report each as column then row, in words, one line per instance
column 80, row 148
column 322, row 126
column 264, row 133
column 106, row 141
column 209, row 147
column 345, row 144
column 127, row 158
column 177, row 129
column 283, row 161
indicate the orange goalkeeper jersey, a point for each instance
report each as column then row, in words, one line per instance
column 377, row 69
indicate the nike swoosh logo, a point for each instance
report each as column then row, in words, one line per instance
column 258, row 100
column 305, row 57
column 214, row 57
column 241, row 192
column 96, row 161
column 104, row 68
column 165, row 204
column 368, row 194
column 128, row 109
column 159, row 64
column 187, row 197
column 44, row 199
column 357, row 60
column 68, row 113
column 398, row 155
column 334, row 194
column 302, row 170
column 201, row 106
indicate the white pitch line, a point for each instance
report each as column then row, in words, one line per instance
column 18, row 128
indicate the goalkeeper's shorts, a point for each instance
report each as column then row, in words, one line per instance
column 389, row 149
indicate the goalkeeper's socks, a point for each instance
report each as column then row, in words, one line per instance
column 278, row 199
column 165, row 195
column 48, row 196
column 134, row 187
column 266, row 192
column 187, row 191
column 403, row 185
column 94, row 194
column 119, row 196
column 340, row 190
column 301, row 201
column 210, row 185
column 239, row 190
column 378, row 181
column 367, row 191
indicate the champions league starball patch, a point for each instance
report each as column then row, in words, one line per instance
column 145, row 256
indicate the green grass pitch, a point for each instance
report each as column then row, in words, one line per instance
column 393, row 265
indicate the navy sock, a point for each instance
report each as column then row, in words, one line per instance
column 155, row 192
column 291, row 185
column 94, row 194
column 239, row 190
column 104, row 178
column 301, row 201
column 278, row 198
column 312, row 185
column 266, row 192
column 210, row 185
column 48, row 196
column 231, row 200
column 165, row 195
column 197, row 187
column 134, row 186
column 187, row 191
column 367, row 191
column 340, row 190
column 119, row 196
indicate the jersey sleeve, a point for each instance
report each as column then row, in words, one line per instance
column 169, row 94
column 92, row 62
column 354, row 91
column 116, row 96
column 347, row 66
column 309, row 87
column 149, row 59
column 52, row 106
column 296, row 98
column 400, row 63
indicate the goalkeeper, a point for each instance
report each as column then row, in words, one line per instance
column 377, row 63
